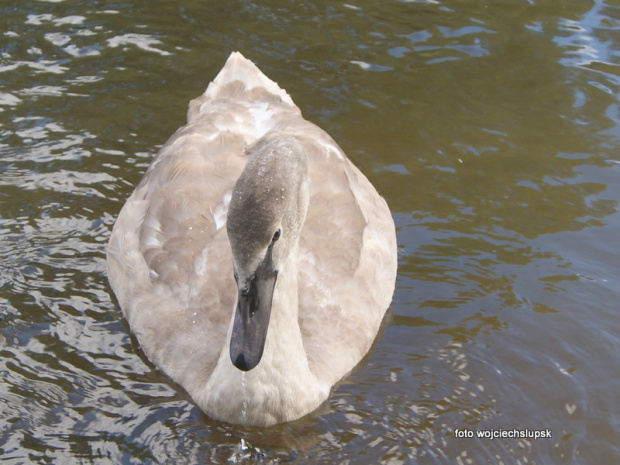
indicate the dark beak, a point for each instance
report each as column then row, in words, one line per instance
column 251, row 321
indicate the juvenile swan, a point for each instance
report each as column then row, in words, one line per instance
column 254, row 262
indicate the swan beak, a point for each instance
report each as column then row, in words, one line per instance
column 251, row 321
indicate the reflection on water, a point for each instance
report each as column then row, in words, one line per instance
column 492, row 130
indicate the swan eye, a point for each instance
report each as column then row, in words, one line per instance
column 276, row 235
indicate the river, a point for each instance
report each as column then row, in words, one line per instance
column 491, row 128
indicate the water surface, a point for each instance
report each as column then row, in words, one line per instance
column 491, row 128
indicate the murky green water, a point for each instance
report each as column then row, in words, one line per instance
column 492, row 129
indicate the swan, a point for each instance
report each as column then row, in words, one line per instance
column 253, row 262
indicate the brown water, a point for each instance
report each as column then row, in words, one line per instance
column 492, row 129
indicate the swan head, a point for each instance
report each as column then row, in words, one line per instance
column 266, row 213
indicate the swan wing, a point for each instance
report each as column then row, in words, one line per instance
column 347, row 261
